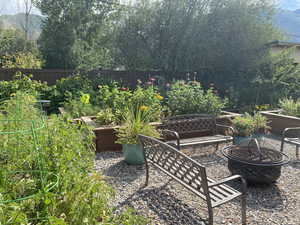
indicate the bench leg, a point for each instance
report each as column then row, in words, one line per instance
column 147, row 173
column 297, row 152
column 243, row 201
column 281, row 147
column 210, row 216
column 217, row 147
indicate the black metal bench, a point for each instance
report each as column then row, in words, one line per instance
column 191, row 175
column 293, row 139
column 194, row 129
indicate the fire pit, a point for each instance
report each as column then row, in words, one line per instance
column 258, row 165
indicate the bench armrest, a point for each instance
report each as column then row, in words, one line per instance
column 286, row 130
column 225, row 126
column 227, row 179
column 172, row 134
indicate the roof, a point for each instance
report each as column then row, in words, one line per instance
column 285, row 43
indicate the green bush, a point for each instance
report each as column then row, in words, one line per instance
column 290, row 107
column 119, row 98
column 81, row 106
column 21, row 82
column 247, row 124
column 190, row 98
column 81, row 196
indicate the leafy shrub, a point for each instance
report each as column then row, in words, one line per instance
column 247, row 125
column 26, row 60
column 81, row 196
column 21, row 82
column 190, row 98
column 119, row 98
column 106, row 117
column 70, row 88
column 290, row 107
column 81, row 107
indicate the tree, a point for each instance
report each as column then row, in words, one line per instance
column 26, row 6
column 71, row 29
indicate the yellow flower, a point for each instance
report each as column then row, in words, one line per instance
column 159, row 97
column 85, row 98
column 144, row 108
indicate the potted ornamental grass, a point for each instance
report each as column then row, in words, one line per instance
column 137, row 121
column 249, row 126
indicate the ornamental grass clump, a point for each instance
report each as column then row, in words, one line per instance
column 290, row 107
column 137, row 121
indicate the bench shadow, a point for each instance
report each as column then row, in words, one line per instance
column 262, row 197
column 295, row 164
column 123, row 171
column 164, row 204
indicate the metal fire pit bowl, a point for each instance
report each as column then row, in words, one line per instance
column 258, row 165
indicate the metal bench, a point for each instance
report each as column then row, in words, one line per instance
column 191, row 175
column 294, row 140
column 194, row 129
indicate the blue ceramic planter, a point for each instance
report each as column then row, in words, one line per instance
column 133, row 154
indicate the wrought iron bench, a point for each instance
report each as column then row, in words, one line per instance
column 191, row 175
column 194, row 129
column 294, row 140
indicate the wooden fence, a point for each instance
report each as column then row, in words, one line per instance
column 126, row 77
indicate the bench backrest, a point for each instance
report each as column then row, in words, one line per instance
column 184, row 124
column 179, row 166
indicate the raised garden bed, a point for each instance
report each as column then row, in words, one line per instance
column 106, row 135
column 278, row 122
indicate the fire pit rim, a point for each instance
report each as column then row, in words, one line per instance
column 285, row 160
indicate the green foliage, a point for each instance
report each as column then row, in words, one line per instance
column 119, row 98
column 14, row 41
column 137, row 120
column 189, row 35
column 247, row 125
column 81, row 197
column 73, row 30
column 290, row 107
column 106, row 117
column 24, row 83
column 79, row 107
column 190, row 98
column 21, row 61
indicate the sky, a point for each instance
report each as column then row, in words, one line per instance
column 13, row 7
column 290, row 4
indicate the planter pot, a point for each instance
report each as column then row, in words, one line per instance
column 237, row 140
column 279, row 122
column 106, row 136
column 133, row 154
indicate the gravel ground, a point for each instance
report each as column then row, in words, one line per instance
column 166, row 202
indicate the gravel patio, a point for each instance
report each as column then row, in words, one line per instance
column 166, row 202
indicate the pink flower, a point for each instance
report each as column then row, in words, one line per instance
column 124, row 89
column 152, row 79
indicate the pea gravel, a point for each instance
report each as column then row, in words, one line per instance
column 164, row 201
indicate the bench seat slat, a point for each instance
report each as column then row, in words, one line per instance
column 201, row 140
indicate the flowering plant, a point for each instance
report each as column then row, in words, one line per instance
column 137, row 121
